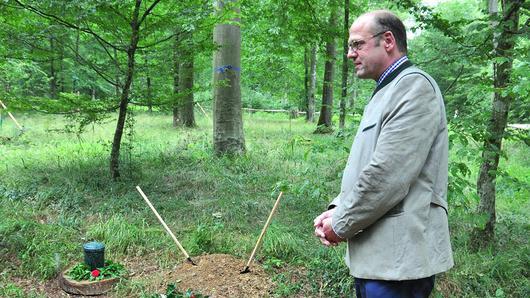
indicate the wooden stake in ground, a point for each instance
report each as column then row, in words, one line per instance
column 11, row 116
column 164, row 224
column 200, row 107
column 262, row 233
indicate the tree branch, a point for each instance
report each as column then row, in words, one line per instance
column 455, row 80
column 92, row 66
column 147, row 12
column 66, row 24
column 160, row 41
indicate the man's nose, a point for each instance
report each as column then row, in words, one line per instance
column 351, row 54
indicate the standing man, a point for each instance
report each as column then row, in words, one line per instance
column 392, row 207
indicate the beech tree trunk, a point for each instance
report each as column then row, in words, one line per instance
column 344, row 86
column 326, row 111
column 504, row 29
column 228, row 135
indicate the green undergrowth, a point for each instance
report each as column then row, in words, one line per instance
column 56, row 194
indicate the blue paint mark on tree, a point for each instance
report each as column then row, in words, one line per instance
column 226, row 68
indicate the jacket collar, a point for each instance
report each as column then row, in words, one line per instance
column 392, row 76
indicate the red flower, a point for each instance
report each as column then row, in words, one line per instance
column 95, row 273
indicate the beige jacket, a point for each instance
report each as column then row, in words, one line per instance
column 392, row 207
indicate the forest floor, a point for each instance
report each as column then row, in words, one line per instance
column 216, row 275
column 56, row 194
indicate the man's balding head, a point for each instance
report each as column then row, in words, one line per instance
column 384, row 20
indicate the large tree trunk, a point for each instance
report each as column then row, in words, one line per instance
column 326, row 111
column 344, row 86
column 228, row 120
column 124, row 98
column 310, row 115
column 503, row 43
column 186, row 84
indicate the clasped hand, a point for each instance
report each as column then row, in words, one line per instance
column 324, row 231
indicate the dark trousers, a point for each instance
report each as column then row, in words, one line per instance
column 371, row 288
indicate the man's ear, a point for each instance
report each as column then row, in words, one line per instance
column 389, row 40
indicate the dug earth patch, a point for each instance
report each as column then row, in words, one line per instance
column 218, row 275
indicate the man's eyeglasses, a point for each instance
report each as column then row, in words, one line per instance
column 356, row 45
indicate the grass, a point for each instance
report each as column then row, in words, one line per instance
column 56, row 193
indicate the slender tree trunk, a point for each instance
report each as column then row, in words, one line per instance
column 75, row 79
column 186, row 84
column 117, row 74
column 306, row 80
column 176, row 69
column 148, row 92
column 344, row 86
column 61, row 84
column 353, row 97
column 53, row 70
column 124, row 98
column 228, row 120
column 310, row 116
column 326, row 111
column 503, row 43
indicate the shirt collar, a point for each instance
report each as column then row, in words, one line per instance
column 391, row 68
column 392, row 75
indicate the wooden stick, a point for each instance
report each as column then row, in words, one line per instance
column 203, row 110
column 262, row 233
column 11, row 116
column 164, row 224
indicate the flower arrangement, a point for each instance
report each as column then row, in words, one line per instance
column 111, row 269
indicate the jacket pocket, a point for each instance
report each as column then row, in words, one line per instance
column 438, row 200
column 395, row 211
column 369, row 127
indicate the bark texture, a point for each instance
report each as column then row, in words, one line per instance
column 228, row 137
column 503, row 43
column 326, row 111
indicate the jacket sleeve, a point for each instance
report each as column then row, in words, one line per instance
column 408, row 128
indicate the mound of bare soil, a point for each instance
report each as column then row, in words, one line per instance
column 218, row 275
column 215, row 275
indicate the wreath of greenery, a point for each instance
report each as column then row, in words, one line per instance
column 111, row 269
